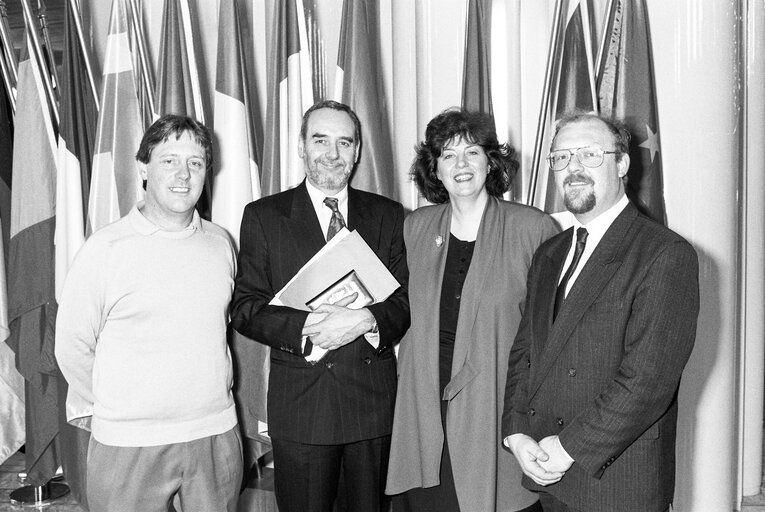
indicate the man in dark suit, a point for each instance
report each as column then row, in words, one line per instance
column 609, row 323
column 335, row 414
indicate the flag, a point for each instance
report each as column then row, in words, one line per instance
column 115, row 185
column 31, row 286
column 237, row 180
column 626, row 91
column 573, row 85
column 476, row 75
column 78, row 115
column 12, row 434
column 178, row 90
column 289, row 94
column 359, row 84
column 6, row 166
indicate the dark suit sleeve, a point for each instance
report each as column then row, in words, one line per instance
column 251, row 315
column 658, row 340
column 514, row 417
column 392, row 315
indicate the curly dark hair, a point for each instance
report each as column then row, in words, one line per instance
column 473, row 127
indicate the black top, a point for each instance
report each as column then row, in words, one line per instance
column 457, row 264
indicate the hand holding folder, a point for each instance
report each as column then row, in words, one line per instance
column 344, row 266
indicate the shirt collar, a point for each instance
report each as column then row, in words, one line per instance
column 600, row 224
column 317, row 196
column 146, row 227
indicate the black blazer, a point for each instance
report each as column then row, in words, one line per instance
column 349, row 395
column 604, row 376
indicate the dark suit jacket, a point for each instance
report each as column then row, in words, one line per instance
column 349, row 395
column 604, row 376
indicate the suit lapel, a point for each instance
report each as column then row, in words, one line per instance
column 593, row 278
column 305, row 224
column 361, row 217
column 546, row 286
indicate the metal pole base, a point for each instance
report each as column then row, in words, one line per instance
column 39, row 496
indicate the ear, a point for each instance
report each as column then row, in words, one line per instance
column 357, row 154
column 301, row 147
column 623, row 165
column 142, row 171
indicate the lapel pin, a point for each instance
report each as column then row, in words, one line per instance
column 439, row 240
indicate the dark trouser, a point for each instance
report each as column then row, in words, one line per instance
column 205, row 474
column 306, row 476
column 551, row 504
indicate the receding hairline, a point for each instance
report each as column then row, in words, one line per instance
column 582, row 121
column 308, row 135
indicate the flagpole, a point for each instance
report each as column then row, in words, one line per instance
column 85, row 53
column 148, row 79
column 542, row 122
column 9, row 86
column 603, row 38
column 47, row 48
column 196, row 93
column 10, row 55
column 40, row 60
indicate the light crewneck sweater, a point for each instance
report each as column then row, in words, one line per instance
column 141, row 333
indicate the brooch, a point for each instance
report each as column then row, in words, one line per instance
column 439, row 240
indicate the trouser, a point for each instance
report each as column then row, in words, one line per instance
column 551, row 504
column 205, row 474
column 306, row 476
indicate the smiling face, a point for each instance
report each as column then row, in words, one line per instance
column 175, row 175
column 588, row 192
column 329, row 150
column 462, row 168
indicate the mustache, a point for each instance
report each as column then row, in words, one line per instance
column 578, row 178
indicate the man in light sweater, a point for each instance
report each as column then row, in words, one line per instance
column 141, row 340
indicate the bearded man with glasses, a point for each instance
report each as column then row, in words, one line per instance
column 609, row 323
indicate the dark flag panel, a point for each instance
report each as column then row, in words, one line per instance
column 626, row 90
column 359, row 65
column 476, row 75
column 575, row 90
column 6, row 167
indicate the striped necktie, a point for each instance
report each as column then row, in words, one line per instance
column 336, row 223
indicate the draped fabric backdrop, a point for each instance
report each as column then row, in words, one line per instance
column 708, row 77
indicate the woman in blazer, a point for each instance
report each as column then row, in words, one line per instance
column 468, row 257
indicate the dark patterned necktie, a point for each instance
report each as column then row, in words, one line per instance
column 560, row 295
column 336, row 223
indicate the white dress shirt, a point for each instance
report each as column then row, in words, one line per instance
column 596, row 228
column 323, row 211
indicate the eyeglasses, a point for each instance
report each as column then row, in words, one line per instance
column 588, row 156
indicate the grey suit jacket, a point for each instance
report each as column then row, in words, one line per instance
column 604, row 376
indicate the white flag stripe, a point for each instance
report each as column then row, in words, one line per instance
column 70, row 224
column 234, row 180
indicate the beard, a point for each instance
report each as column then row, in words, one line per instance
column 579, row 201
column 327, row 180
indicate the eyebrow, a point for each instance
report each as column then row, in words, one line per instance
column 324, row 136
